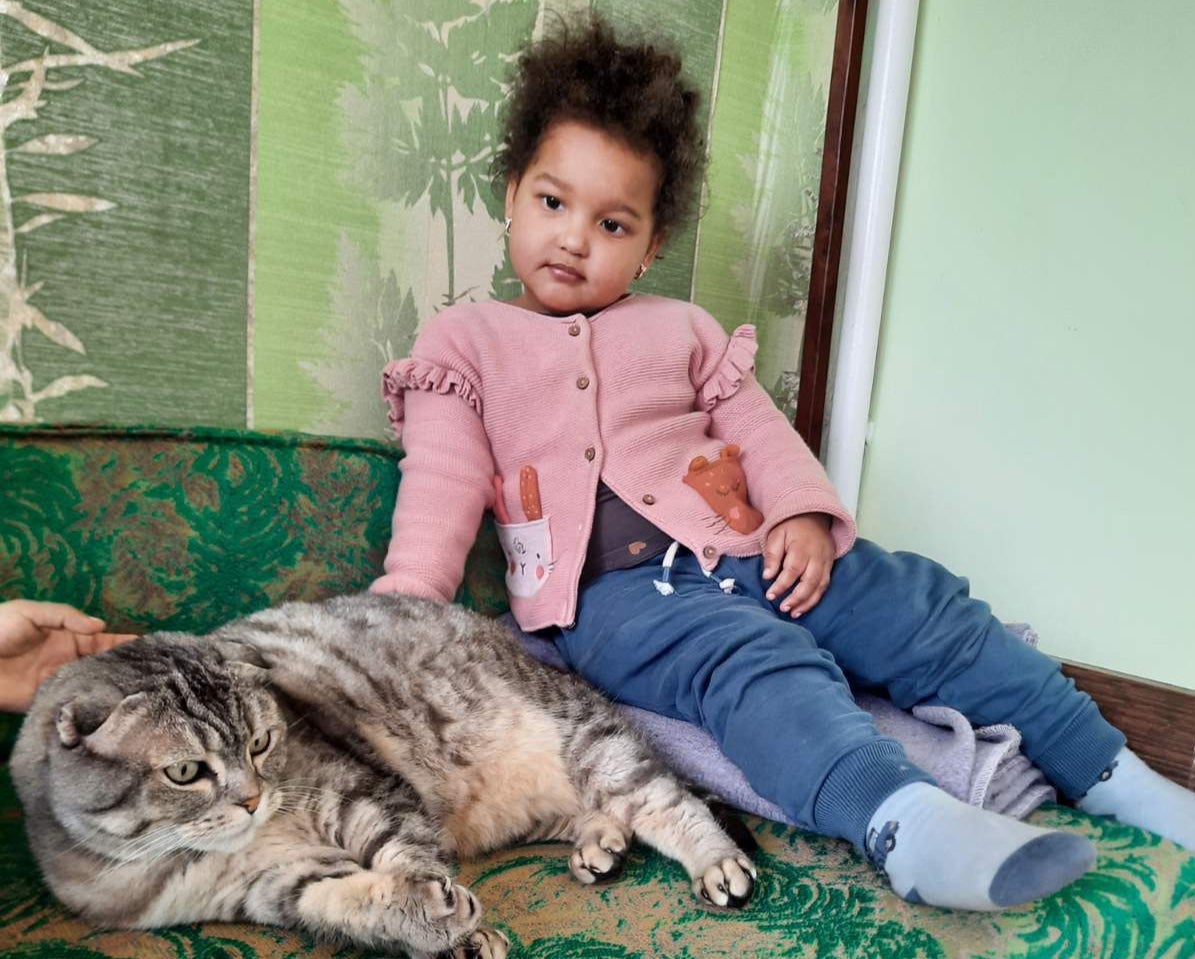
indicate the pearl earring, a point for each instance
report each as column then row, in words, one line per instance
column 639, row 272
column 506, row 227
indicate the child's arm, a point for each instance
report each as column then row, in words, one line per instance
column 446, row 485
column 785, row 479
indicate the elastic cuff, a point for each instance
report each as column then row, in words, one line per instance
column 1074, row 760
column 856, row 786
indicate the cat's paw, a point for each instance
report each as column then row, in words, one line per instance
column 482, row 943
column 600, row 857
column 727, row 884
column 448, row 905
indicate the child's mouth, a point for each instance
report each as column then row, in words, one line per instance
column 565, row 274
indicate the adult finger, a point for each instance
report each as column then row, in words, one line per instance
column 88, row 644
column 18, row 635
column 58, row 616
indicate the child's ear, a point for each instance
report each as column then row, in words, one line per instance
column 653, row 248
column 512, row 185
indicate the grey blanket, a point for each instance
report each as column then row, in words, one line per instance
column 983, row 766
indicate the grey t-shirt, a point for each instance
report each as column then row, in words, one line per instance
column 621, row 538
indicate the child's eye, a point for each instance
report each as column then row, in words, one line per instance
column 613, row 227
column 551, row 202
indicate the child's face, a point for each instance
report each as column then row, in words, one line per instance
column 581, row 220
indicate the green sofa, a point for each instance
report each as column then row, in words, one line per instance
column 186, row 528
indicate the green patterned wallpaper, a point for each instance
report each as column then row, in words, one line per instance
column 124, row 204
column 766, row 149
column 183, row 245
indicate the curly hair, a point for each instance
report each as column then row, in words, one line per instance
column 630, row 90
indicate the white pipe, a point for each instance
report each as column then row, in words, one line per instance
column 869, row 235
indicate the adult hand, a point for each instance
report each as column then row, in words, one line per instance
column 36, row 638
column 799, row 550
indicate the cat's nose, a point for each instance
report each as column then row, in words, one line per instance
column 251, row 802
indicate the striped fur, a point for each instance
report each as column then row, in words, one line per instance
column 403, row 734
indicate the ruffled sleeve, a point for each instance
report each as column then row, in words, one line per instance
column 413, row 373
column 737, row 361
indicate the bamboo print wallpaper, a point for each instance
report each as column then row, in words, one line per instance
column 123, row 210
column 235, row 211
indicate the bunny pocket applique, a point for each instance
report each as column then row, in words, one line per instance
column 528, row 545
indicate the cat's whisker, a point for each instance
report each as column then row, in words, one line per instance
column 155, row 837
column 81, row 842
column 142, row 862
column 147, row 850
column 307, row 796
column 291, row 787
column 297, row 722
column 133, row 845
column 295, row 800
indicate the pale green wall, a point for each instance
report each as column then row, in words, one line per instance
column 1034, row 396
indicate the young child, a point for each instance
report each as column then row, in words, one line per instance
column 683, row 546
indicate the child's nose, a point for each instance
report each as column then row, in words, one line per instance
column 573, row 238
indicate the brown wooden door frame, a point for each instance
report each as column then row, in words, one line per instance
column 831, row 212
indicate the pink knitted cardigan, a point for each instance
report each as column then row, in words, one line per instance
column 631, row 394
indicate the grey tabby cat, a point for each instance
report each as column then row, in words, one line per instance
column 319, row 765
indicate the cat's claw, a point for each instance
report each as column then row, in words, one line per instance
column 449, row 904
column 600, row 859
column 482, row 943
column 727, row 884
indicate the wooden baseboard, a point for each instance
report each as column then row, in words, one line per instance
column 1157, row 719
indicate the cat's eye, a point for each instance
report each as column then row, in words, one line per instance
column 260, row 743
column 185, row 772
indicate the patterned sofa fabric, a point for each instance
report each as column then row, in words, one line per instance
column 186, row 528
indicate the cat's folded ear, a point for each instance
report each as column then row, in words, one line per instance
column 234, row 651
column 249, row 674
column 97, row 721
column 242, row 660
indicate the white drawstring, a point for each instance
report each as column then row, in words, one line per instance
column 726, row 585
column 663, row 587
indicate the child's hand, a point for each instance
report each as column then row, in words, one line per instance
column 799, row 549
column 36, row 638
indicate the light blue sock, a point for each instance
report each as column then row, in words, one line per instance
column 1133, row 793
column 938, row 850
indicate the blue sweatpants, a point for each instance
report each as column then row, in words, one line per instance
column 776, row 692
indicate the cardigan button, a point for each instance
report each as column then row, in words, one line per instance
column 574, row 330
column 708, row 552
column 582, row 382
column 590, row 453
column 649, row 499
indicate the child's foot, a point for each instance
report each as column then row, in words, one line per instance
column 1133, row 793
column 938, row 850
